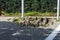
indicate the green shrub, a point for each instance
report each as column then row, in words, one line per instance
column 16, row 20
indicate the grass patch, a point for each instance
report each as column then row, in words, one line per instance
column 31, row 14
column 58, row 20
column 12, row 14
column 40, row 14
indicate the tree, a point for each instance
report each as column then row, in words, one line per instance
column 29, row 5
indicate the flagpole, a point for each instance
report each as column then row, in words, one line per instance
column 57, row 9
column 22, row 15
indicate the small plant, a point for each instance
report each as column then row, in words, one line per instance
column 16, row 20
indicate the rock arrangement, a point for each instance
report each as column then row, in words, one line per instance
column 36, row 22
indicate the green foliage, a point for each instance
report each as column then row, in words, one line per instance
column 16, row 20
column 32, row 14
column 12, row 6
column 40, row 5
column 12, row 14
column 40, row 14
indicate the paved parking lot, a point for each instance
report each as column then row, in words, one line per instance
column 24, row 34
column 8, row 31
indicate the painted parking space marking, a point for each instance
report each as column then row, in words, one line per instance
column 53, row 34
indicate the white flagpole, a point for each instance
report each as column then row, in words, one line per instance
column 57, row 9
column 22, row 8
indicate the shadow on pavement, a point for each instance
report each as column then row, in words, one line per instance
column 12, row 33
column 4, row 24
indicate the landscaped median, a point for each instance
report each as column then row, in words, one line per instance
column 34, row 22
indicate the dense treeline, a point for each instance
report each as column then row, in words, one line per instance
column 11, row 5
column 30, row 5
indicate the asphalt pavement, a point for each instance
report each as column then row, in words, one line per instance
column 8, row 31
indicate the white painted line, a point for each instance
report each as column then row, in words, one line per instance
column 17, row 33
column 53, row 34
